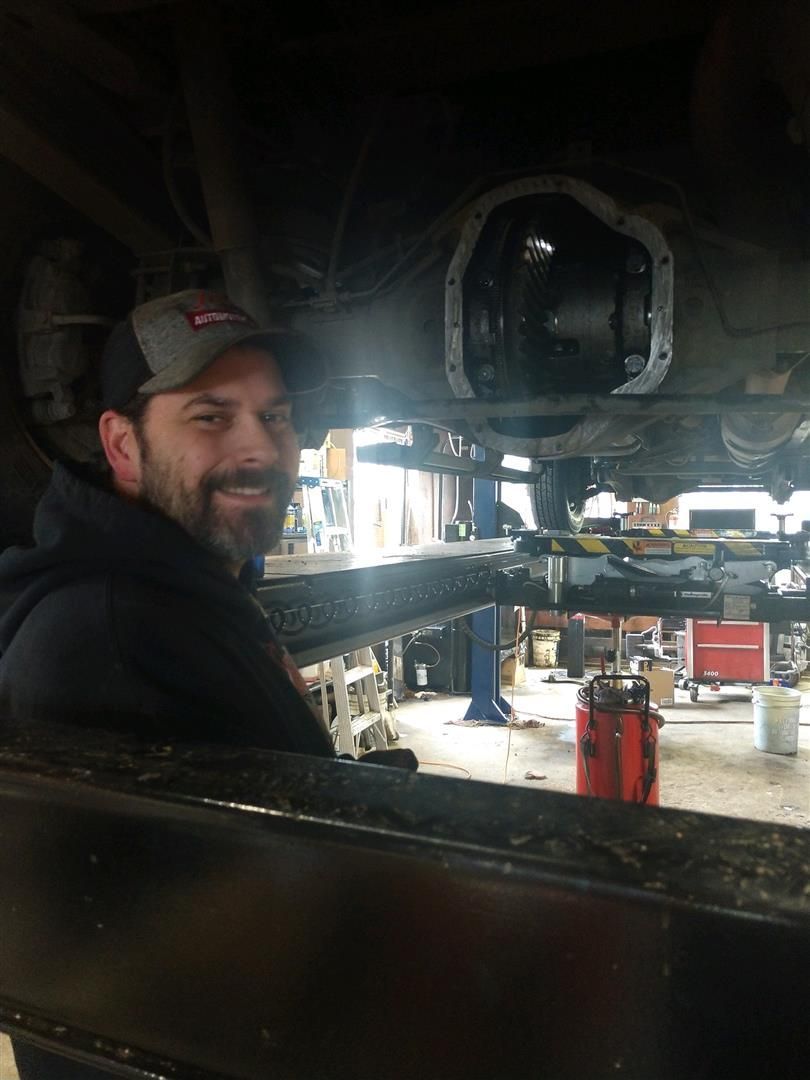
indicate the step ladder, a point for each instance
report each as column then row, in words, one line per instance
column 368, row 712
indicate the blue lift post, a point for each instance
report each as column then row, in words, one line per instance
column 487, row 705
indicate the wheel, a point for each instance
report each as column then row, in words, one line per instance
column 50, row 263
column 693, row 693
column 560, row 495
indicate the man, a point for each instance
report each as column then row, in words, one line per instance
column 129, row 614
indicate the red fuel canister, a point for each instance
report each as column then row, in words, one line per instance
column 617, row 740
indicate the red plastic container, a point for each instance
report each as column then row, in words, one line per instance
column 617, row 747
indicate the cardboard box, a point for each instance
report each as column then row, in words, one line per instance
column 309, row 464
column 512, row 672
column 662, row 685
column 336, row 463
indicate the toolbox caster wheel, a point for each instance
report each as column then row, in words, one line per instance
column 693, row 693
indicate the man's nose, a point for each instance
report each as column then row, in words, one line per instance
column 256, row 442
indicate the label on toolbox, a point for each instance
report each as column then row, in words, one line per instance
column 692, row 595
column 736, row 606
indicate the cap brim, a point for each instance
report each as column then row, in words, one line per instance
column 302, row 365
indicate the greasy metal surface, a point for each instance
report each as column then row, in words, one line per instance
column 249, row 914
column 604, row 404
column 321, row 606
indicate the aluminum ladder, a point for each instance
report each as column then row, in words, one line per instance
column 370, row 711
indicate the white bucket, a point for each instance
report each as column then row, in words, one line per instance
column 544, row 648
column 776, row 719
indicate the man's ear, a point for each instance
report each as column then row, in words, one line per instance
column 121, row 449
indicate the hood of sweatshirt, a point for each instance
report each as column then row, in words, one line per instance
column 84, row 530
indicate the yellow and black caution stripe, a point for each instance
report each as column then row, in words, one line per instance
column 697, row 534
column 655, row 548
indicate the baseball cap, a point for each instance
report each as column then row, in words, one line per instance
column 165, row 343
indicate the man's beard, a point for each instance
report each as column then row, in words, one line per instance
column 232, row 537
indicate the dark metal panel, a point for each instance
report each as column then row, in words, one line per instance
column 328, row 605
column 255, row 915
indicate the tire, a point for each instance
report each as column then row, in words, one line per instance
column 29, row 216
column 27, row 212
column 693, row 693
column 560, row 495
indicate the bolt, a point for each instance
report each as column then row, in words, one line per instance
column 485, row 281
column 634, row 364
column 635, row 262
column 486, row 373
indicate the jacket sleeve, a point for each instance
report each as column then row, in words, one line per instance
column 129, row 657
column 210, row 679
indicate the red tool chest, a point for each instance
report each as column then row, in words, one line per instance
column 728, row 651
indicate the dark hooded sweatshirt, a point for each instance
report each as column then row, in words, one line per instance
column 116, row 619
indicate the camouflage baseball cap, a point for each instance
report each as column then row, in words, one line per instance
column 165, row 343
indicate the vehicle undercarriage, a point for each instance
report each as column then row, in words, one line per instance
column 621, row 211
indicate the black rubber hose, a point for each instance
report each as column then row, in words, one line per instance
column 488, row 645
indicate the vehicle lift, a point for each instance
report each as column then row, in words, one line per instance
column 319, row 609
column 642, row 572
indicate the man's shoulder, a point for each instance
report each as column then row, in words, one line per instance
column 99, row 601
column 70, row 604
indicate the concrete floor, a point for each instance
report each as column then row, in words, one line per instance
column 708, row 760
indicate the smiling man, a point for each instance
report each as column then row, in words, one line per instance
column 129, row 614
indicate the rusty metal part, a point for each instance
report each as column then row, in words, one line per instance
column 203, row 911
column 753, row 440
column 201, row 45
column 637, row 405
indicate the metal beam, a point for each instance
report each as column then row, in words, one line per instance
column 58, row 31
column 54, row 168
column 327, row 605
column 205, row 911
column 416, row 457
column 201, row 34
column 642, row 405
column 55, row 128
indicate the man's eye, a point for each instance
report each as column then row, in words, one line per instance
column 210, row 418
column 276, row 419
